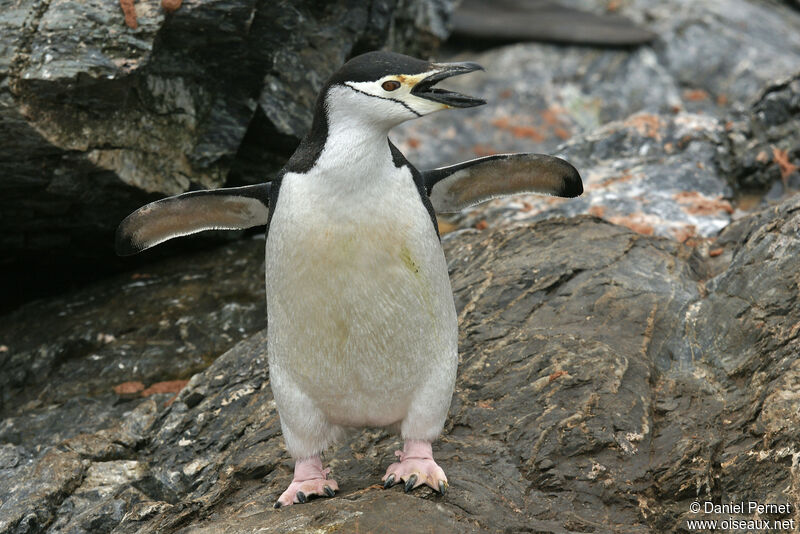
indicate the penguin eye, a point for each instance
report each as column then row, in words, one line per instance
column 391, row 85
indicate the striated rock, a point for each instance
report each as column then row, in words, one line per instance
column 655, row 174
column 709, row 57
column 607, row 380
column 623, row 354
column 538, row 20
column 161, row 322
column 765, row 139
column 97, row 118
column 666, row 144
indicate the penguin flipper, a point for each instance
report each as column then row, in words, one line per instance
column 459, row 186
column 232, row 208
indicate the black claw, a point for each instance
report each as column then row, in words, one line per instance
column 389, row 482
column 301, row 497
column 277, row 504
column 329, row 491
column 442, row 487
column 410, row 483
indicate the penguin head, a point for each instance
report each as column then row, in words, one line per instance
column 385, row 89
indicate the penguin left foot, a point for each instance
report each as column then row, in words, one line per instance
column 309, row 479
column 416, row 467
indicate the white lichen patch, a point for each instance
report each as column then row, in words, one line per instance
column 104, row 478
column 238, row 394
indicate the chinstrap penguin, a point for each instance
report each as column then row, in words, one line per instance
column 362, row 328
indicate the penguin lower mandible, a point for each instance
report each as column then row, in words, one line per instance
column 362, row 328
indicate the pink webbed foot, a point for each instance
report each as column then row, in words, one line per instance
column 309, row 479
column 416, row 467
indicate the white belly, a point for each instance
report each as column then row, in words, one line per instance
column 360, row 310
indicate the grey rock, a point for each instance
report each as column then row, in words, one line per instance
column 97, row 118
column 667, row 144
column 600, row 370
column 655, row 174
column 539, row 20
column 709, row 56
column 161, row 322
column 770, row 125
column 609, row 377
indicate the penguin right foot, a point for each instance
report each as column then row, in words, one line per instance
column 309, row 479
column 415, row 468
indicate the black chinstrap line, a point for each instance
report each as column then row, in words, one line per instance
column 409, row 108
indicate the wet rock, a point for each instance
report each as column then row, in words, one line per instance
column 537, row 20
column 655, row 174
column 97, row 118
column 163, row 322
column 765, row 140
column 561, row 420
column 542, row 95
column 609, row 376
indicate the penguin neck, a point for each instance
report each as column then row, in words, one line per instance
column 356, row 150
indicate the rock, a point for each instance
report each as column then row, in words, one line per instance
column 623, row 354
column 655, row 174
column 97, row 118
column 562, row 420
column 765, row 139
column 537, row 20
column 542, row 95
column 161, row 322
column 664, row 147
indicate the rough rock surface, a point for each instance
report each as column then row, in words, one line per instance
column 719, row 74
column 710, row 56
column 607, row 380
column 97, row 118
column 164, row 321
column 610, row 376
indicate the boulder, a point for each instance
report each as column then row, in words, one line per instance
column 607, row 381
column 97, row 118
column 623, row 354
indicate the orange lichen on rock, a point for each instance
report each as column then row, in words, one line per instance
column 597, row 210
column 170, row 5
column 781, row 157
column 527, row 131
column 170, row 386
column 638, row 222
column 519, row 131
column 646, row 124
column 550, row 117
column 561, row 133
column 695, row 95
column 699, row 204
column 556, row 375
column 624, row 177
column 502, row 123
column 130, row 13
column 128, row 388
column 683, row 234
column 483, row 150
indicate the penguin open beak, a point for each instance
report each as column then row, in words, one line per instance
column 425, row 87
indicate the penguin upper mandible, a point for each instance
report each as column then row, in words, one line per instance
column 362, row 328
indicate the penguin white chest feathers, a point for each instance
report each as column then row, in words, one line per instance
column 362, row 329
